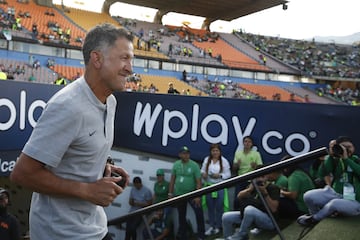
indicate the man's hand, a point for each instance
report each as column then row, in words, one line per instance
column 253, row 165
column 345, row 152
column 124, row 176
column 103, row 191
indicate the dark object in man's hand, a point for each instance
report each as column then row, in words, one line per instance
column 337, row 150
column 122, row 182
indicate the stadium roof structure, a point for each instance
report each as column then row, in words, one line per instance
column 210, row 9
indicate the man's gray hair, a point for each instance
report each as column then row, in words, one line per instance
column 101, row 37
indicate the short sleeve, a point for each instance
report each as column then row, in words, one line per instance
column 53, row 133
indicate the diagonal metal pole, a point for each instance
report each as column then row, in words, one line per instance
column 268, row 210
column 147, row 227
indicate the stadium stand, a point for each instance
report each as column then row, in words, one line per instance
column 51, row 24
column 312, row 95
column 330, row 62
column 312, row 58
column 40, row 74
column 269, row 92
column 255, row 54
column 230, row 56
column 86, row 19
column 162, row 84
column 69, row 72
column 144, row 45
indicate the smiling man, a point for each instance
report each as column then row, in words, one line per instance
column 64, row 160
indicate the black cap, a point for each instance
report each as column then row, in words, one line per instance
column 184, row 149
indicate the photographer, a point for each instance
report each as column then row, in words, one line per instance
column 341, row 196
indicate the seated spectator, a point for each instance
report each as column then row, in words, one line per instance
column 140, row 196
column 21, row 14
column 342, row 195
column 285, row 203
column 78, row 75
column 190, row 53
column 306, row 99
column 11, row 70
column 3, row 75
column 2, row 68
column 27, row 14
column 152, row 88
column 60, row 80
column 36, row 64
column 161, row 226
column 292, row 98
column 252, row 211
column 78, row 39
column 18, row 70
column 49, row 12
column 299, row 182
column 210, row 52
column 32, row 78
column 50, row 63
column 172, row 90
column 68, row 33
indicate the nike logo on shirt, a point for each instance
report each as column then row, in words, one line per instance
column 92, row 133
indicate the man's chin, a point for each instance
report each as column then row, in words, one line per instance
column 120, row 87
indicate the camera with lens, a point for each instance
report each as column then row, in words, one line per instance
column 337, row 150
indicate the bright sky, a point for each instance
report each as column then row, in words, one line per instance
column 303, row 19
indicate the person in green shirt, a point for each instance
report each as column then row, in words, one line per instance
column 245, row 160
column 32, row 78
column 186, row 177
column 342, row 195
column 299, row 182
column 280, row 180
column 161, row 187
column 161, row 190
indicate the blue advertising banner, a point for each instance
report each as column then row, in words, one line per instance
column 21, row 105
column 7, row 161
column 161, row 124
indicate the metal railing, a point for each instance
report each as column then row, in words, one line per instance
column 226, row 183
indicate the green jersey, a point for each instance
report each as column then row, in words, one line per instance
column 282, row 182
column 300, row 182
column 186, row 175
column 161, row 190
column 245, row 160
column 344, row 170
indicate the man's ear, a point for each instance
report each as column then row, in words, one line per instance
column 96, row 58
